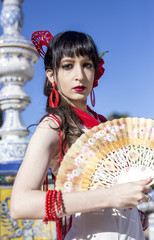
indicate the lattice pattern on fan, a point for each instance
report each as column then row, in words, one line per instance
column 117, row 151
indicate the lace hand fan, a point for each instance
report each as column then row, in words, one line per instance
column 117, row 151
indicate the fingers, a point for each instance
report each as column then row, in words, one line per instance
column 142, row 191
column 146, row 181
column 146, row 198
column 136, row 192
column 147, row 189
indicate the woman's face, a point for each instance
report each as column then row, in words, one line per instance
column 75, row 78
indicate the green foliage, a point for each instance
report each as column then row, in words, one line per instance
column 102, row 54
column 152, row 186
column 116, row 115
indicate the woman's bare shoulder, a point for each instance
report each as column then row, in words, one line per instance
column 46, row 133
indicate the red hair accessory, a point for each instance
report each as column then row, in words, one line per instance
column 100, row 72
column 40, row 38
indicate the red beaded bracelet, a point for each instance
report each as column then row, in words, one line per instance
column 53, row 206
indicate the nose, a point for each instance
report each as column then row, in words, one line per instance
column 79, row 73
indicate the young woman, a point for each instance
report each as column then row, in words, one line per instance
column 72, row 70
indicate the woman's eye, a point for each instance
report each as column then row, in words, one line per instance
column 88, row 65
column 67, row 66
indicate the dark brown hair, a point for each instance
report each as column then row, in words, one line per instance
column 69, row 44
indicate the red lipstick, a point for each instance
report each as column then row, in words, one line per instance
column 79, row 88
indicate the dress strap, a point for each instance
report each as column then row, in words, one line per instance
column 53, row 117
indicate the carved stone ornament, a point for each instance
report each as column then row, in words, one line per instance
column 17, row 60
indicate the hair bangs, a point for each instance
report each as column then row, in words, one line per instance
column 77, row 47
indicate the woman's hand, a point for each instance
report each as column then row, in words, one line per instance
column 128, row 195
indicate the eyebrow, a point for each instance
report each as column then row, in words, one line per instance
column 67, row 60
column 72, row 60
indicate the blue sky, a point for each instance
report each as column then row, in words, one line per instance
column 123, row 27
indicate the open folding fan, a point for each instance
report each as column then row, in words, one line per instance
column 117, row 151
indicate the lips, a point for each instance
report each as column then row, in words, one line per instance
column 79, row 88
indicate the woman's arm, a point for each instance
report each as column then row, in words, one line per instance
column 126, row 195
column 28, row 201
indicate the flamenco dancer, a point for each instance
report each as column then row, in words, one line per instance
column 73, row 68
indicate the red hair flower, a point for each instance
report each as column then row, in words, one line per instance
column 100, row 72
column 100, row 69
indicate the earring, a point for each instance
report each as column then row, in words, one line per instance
column 54, row 96
column 92, row 97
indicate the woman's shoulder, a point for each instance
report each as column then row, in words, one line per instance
column 48, row 129
column 46, row 134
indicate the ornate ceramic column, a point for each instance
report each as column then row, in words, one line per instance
column 17, row 59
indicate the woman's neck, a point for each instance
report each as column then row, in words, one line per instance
column 80, row 106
